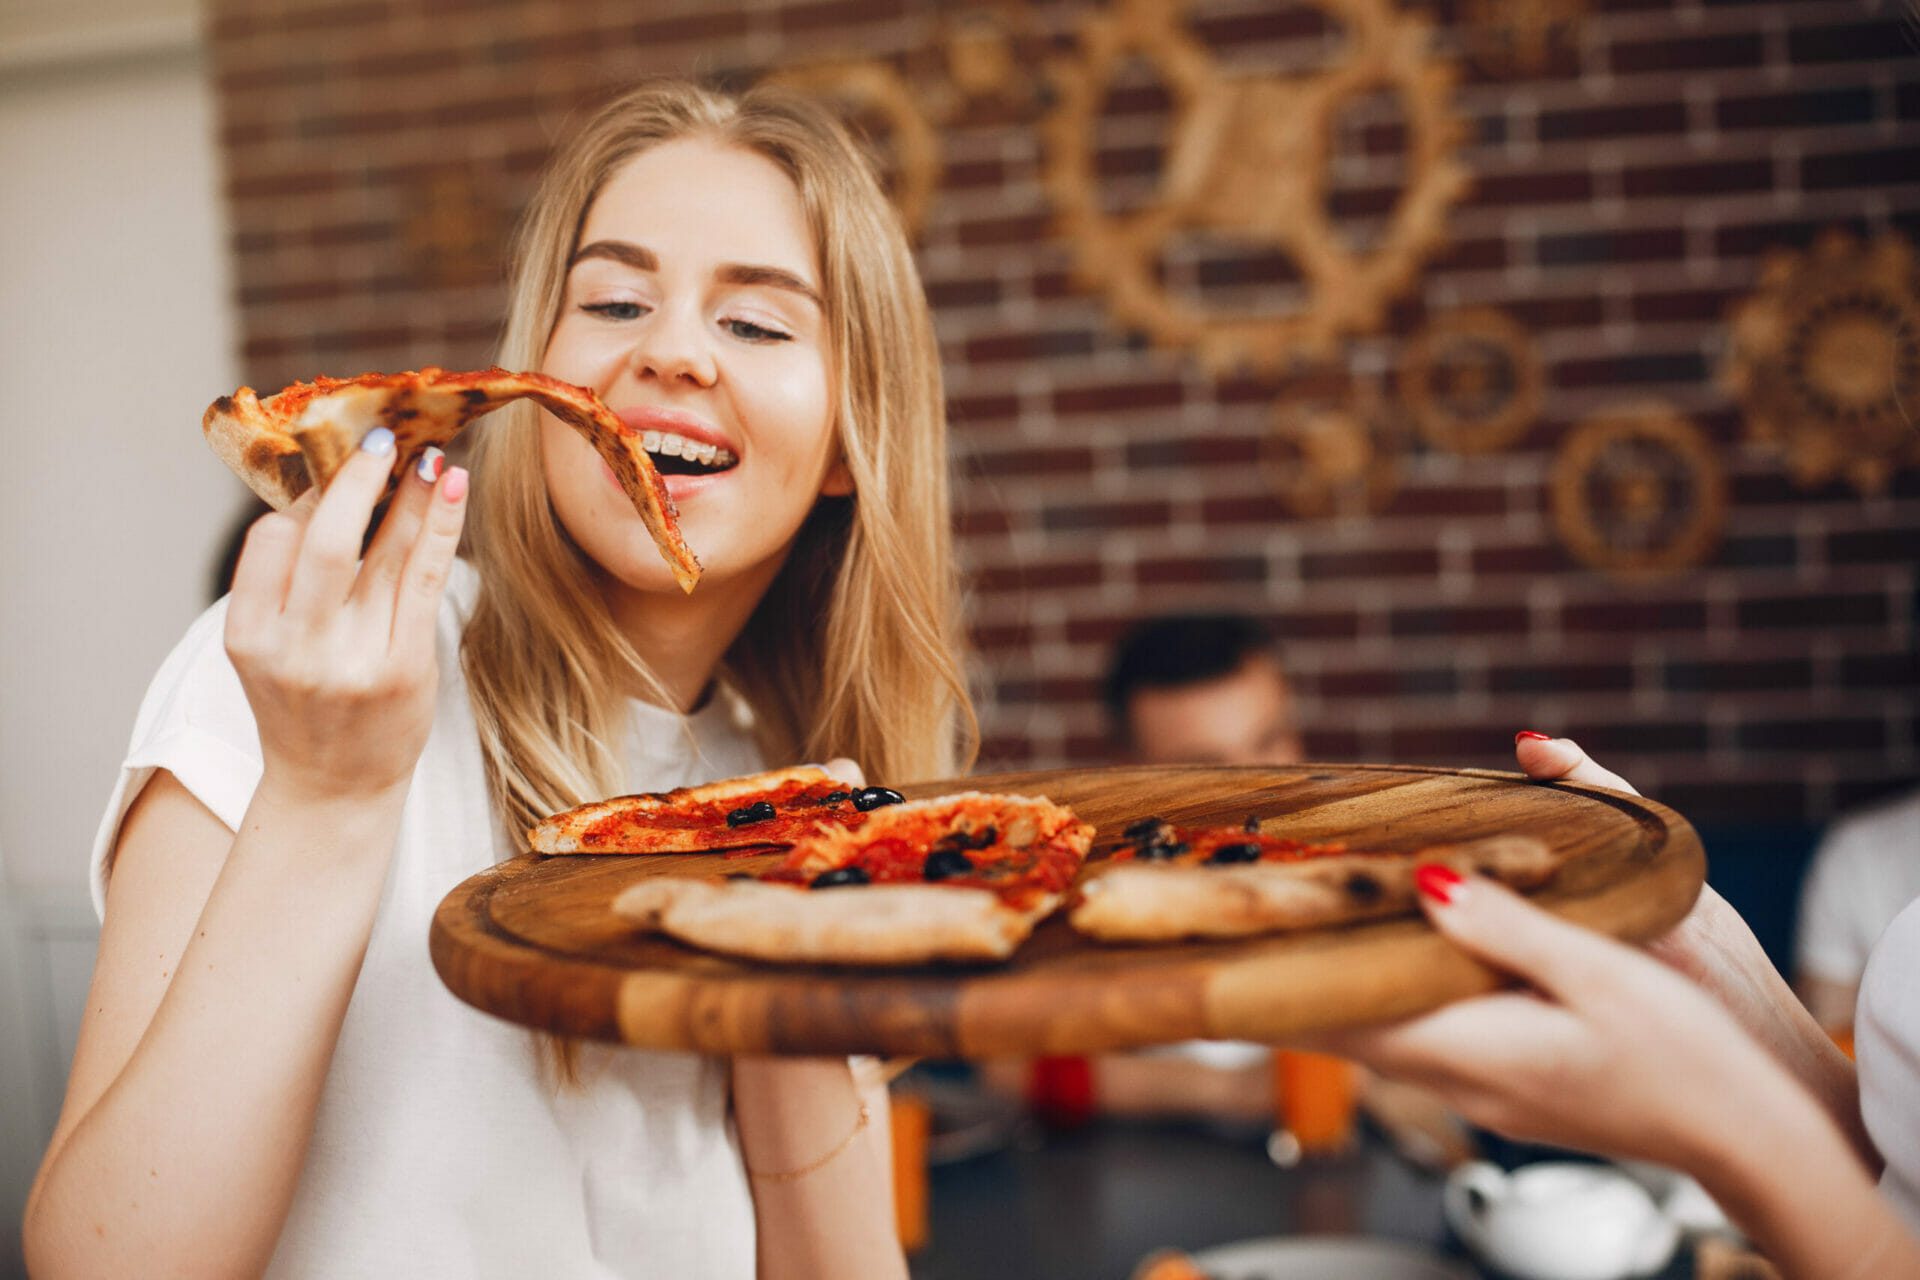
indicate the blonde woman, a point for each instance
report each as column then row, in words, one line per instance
column 270, row 1078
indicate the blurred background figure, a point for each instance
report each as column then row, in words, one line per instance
column 1866, row 869
column 1202, row 689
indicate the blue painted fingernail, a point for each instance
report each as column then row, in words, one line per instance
column 432, row 459
column 378, row 441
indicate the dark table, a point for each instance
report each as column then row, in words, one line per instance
column 1089, row 1203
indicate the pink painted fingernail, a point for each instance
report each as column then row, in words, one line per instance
column 1528, row 735
column 454, row 487
column 432, row 460
column 1442, row 884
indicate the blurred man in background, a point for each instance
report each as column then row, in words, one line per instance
column 1202, row 689
column 1865, row 871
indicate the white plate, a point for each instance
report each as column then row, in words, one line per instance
column 1327, row 1258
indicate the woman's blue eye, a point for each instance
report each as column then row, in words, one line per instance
column 752, row 332
column 615, row 310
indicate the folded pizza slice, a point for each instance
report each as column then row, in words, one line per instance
column 772, row 808
column 960, row 878
column 297, row 438
column 1170, row 882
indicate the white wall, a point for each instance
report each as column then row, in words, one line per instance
column 115, row 332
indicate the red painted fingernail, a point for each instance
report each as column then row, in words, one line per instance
column 454, row 486
column 1437, row 882
column 1528, row 735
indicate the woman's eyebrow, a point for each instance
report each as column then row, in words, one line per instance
column 641, row 258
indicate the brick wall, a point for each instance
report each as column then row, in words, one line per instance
column 378, row 151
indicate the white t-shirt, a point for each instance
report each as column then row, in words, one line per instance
column 440, row 1150
column 1866, row 870
column 1886, row 1044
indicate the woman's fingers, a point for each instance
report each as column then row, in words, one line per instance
column 1461, row 1046
column 423, row 581
column 1547, row 759
column 260, row 578
column 386, row 559
column 844, row 770
column 330, row 551
column 1498, row 926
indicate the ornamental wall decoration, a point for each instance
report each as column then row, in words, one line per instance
column 1324, row 458
column 1471, row 381
column 1248, row 163
column 1520, row 37
column 1824, row 358
column 1638, row 492
column 882, row 107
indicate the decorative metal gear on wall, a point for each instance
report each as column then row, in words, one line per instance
column 1472, row 381
column 1825, row 359
column 1639, row 492
column 908, row 146
column 1327, row 459
column 987, row 51
column 1248, row 162
column 1520, row 37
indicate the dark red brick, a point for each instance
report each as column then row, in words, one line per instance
column 1697, row 53
column 1555, row 677
column 1120, row 397
column 1032, row 462
column 1733, row 675
column 1174, row 571
column 1796, row 110
column 1880, row 167
column 837, row 13
column 1814, row 610
column 1422, row 562
column 1198, row 451
column 1376, row 682
column 1105, row 515
column 1804, row 735
column 1854, row 42
column 1646, row 615
column 1626, row 120
column 1585, row 248
column 1531, row 188
column 1726, row 177
column 1881, row 670
column 1038, row 575
column 1464, row 620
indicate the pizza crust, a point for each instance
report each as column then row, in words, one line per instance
column 300, row 436
column 1143, row 902
column 563, row 832
column 863, row 924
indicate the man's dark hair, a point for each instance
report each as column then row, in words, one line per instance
column 1181, row 649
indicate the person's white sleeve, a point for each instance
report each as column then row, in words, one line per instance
column 1828, row 942
column 194, row 723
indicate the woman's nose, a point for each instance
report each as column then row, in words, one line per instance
column 673, row 346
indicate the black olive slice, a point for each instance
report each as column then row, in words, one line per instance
column 747, row 815
column 1228, row 853
column 1252, row 825
column 839, row 876
column 834, row 797
column 1160, row 851
column 945, row 863
column 867, row 799
column 1143, row 827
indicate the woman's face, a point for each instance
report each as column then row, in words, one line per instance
column 692, row 307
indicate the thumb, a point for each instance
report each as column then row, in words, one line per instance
column 1494, row 924
column 846, row 771
column 1547, row 759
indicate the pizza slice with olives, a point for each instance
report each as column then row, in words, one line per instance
column 772, row 808
column 1168, row 882
column 299, row 437
column 964, row 877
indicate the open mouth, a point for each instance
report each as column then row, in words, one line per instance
column 675, row 455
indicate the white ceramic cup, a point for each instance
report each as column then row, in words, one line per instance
column 1559, row 1221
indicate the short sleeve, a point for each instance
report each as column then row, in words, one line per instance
column 1831, row 943
column 195, row 723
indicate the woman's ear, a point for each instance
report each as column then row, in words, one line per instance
column 838, row 482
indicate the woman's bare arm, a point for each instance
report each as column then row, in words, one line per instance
column 227, row 958
column 822, row 1180
column 207, row 1034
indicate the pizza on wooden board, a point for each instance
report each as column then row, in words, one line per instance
column 959, row 878
column 772, row 808
column 1166, row 882
column 297, row 438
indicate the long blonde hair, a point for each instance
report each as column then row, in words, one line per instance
column 855, row 648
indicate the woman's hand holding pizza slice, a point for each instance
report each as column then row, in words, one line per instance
column 336, row 653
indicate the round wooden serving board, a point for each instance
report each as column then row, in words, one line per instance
column 534, row 940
